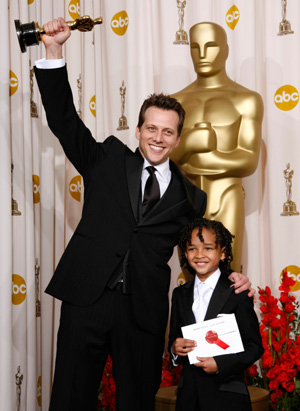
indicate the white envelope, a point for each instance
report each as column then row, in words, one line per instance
column 214, row 337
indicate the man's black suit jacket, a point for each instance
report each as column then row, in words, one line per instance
column 110, row 225
column 231, row 366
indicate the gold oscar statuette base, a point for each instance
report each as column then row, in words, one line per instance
column 289, row 208
column 181, row 37
column 285, row 28
column 14, row 208
column 123, row 123
column 29, row 34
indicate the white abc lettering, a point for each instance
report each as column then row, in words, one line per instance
column 294, row 276
column 75, row 187
column 16, row 289
column 13, row 82
column 231, row 17
column 286, row 97
column 120, row 23
column 74, row 9
column 36, row 188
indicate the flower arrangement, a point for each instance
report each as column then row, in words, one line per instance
column 280, row 332
column 170, row 375
column 106, row 397
column 107, row 389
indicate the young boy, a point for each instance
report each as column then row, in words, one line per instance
column 214, row 383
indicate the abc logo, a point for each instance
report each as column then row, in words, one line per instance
column 36, row 188
column 93, row 105
column 18, row 289
column 232, row 17
column 30, row 1
column 39, row 391
column 74, row 9
column 75, row 188
column 286, row 97
column 13, row 83
column 119, row 23
column 294, row 272
column 180, row 279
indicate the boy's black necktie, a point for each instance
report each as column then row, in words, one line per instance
column 152, row 192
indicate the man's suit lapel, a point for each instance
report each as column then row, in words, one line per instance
column 134, row 167
column 219, row 297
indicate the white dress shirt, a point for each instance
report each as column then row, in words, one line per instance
column 210, row 282
column 50, row 64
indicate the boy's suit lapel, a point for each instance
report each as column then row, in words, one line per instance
column 188, row 299
column 219, row 297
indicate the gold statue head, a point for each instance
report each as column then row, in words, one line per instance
column 209, row 48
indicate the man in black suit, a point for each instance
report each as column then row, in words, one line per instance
column 113, row 277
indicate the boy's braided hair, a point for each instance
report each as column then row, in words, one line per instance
column 223, row 239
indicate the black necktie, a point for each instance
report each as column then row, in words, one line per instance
column 151, row 193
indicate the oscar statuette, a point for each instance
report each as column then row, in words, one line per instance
column 29, row 34
column 284, row 25
column 122, row 120
column 181, row 36
column 289, row 207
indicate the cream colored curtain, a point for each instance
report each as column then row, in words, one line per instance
column 112, row 70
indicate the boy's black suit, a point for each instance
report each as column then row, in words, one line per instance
column 216, row 391
column 110, row 223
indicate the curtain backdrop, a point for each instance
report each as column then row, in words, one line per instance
column 112, row 70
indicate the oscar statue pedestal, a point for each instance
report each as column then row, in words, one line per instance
column 166, row 398
column 259, row 398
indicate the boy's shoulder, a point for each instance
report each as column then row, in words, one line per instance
column 184, row 287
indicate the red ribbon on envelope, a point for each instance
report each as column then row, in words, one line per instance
column 212, row 338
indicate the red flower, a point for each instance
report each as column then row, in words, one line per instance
column 289, row 307
column 289, row 386
column 252, row 371
column 267, row 361
column 276, row 395
column 273, row 385
column 167, row 379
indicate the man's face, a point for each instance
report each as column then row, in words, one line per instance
column 209, row 49
column 158, row 135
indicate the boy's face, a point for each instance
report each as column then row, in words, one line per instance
column 204, row 257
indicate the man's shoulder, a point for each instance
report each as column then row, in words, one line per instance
column 186, row 181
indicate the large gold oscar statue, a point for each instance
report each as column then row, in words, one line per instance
column 221, row 138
